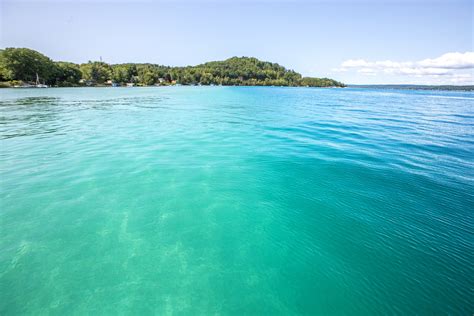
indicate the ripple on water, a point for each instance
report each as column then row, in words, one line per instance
column 236, row 200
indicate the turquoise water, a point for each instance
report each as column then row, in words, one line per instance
column 236, row 200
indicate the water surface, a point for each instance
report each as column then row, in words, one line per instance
column 236, row 200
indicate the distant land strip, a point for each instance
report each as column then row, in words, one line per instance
column 24, row 67
column 416, row 87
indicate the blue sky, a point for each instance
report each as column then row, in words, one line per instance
column 353, row 41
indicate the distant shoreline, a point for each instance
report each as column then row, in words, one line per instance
column 2, row 85
column 25, row 67
column 382, row 87
column 415, row 87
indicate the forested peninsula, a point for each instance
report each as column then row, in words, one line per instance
column 20, row 67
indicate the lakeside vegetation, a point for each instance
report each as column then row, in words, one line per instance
column 20, row 66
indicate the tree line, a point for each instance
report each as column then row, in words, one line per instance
column 19, row 65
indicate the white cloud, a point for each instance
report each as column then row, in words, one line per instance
column 417, row 71
column 351, row 63
column 367, row 71
column 450, row 61
column 449, row 67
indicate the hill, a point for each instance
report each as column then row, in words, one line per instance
column 22, row 64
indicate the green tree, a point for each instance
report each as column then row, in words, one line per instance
column 320, row 82
column 123, row 73
column 97, row 71
column 24, row 64
column 147, row 74
column 67, row 74
column 207, row 78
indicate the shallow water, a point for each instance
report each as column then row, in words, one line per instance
column 236, row 200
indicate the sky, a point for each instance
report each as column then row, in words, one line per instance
column 356, row 42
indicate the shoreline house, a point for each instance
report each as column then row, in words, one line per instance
column 86, row 82
column 112, row 83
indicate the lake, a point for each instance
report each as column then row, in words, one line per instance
column 236, row 200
